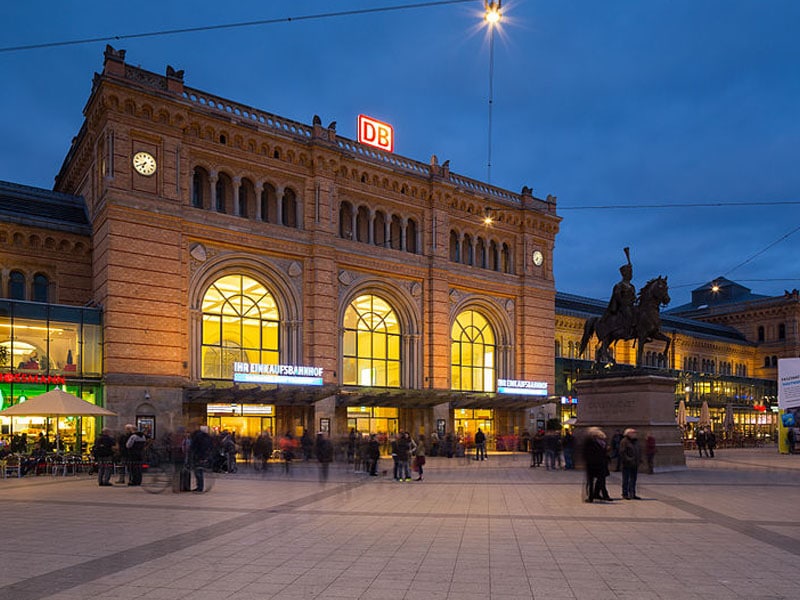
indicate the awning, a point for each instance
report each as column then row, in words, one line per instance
column 279, row 395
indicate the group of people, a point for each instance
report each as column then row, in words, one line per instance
column 597, row 456
column 548, row 448
column 706, row 441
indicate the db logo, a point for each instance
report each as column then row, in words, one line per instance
column 375, row 133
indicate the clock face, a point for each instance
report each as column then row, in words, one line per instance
column 144, row 163
column 538, row 258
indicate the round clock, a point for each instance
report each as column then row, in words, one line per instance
column 144, row 163
column 538, row 258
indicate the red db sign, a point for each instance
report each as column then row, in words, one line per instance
column 375, row 133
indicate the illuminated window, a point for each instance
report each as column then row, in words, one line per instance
column 240, row 324
column 472, row 353
column 371, row 343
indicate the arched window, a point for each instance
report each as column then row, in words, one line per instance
column 41, row 288
column 505, row 259
column 290, row 208
column 472, row 353
column 362, row 224
column 760, row 333
column 494, row 259
column 782, row 331
column 395, row 233
column 246, row 198
column 380, row 228
column 269, row 204
column 346, row 221
column 224, row 193
column 16, row 285
column 200, row 187
column 240, row 324
column 774, row 361
column 466, row 250
column 411, row 236
column 455, row 249
column 480, row 253
column 558, row 349
column 371, row 343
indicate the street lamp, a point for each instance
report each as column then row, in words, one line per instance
column 492, row 16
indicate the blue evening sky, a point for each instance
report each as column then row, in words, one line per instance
column 617, row 103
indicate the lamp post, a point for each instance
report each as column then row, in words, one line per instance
column 492, row 16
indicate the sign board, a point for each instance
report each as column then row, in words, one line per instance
column 526, row 388
column 788, row 383
column 375, row 133
column 289, row 374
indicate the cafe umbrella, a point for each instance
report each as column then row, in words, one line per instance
column 54, row 404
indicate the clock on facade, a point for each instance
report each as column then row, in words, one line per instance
column 144, row 163
column 538, row 258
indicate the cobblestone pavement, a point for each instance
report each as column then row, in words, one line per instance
column 724, row 528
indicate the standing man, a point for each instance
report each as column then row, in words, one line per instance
column 630, row 454
column 373, row 454
column 122, row 447
column 324, row 456
column 135, row 445
column 104, row 454
column 480, row 445
column 711, row 441
column 701, row 440
column 200, row 446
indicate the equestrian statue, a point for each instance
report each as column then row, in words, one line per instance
column 628, row 316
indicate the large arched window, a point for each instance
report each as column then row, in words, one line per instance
column 472, row 353
column 371, row 344
column 240, row 324
column 41, row 288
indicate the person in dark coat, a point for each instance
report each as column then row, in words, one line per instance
column 262, row 451
column 480, row 445
column 135, row 445
column 324, row 456
column 373, row 454
column 711, row 441
column 537, row 449
column 595, row 457
column 701, row 441
column 200, row 447
column 307, row 444
column 104, row 455
column 630, row 454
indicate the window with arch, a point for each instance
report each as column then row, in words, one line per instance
column 760, row 333
column 455, row 247
column 289, row 212
column 371, row 343
column 240, row 324
column 200, row 187
column 224, row 193
column 346, row 221
column 472, row 353
column 269, row 204
column 781, row 331
column 246, row 198
column 41, row 288
column 411, row 236
column 16, row 285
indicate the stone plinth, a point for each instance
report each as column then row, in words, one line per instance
column 644, row 402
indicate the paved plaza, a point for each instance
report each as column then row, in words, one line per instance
column 726, row 527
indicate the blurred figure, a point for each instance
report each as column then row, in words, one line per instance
column 373, row 455
column 615, row 441
column 288, row 446
column 650, row 452
column 701, row 441
column 568, row 444
column 200, row 448
column 595, row 456
column 307, row 444
column 711, row 441
column 227, row 447
column 537, row 449
column 480, row 445
column 324, row 456
column 104, row 454
column 262, row 452
column 419, row 457
column 135, row 445
column 630, row 454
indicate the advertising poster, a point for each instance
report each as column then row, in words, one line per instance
column 789, row 403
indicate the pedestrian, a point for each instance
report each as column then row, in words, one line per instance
column 262, row 452
column 200, row 447
column 228, row 448
column 711, row 441
column 122, row 448
column 630, row 454
column 403, row 451
column 615, row 442
column 307, row 444
column 595, row 457
column 701, row 440
column 650, row 451
column 373, row 454
column 568, row 445
column 135, row 445
column 288, row 445
column 419, row 457
column 324, row 450
column 537, row 449
column 480, row 445
column 552, row 448
column 104, row 455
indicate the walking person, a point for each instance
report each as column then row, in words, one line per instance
column 419, row 458
column 480, row 445
column 630, row 454
column 200, row 447
column 650, row 451
column 711, row 441
column 701, row 441
column 568, row 445
column 104, row 454
column 373, row 454
column 135, row 445
column 288, row 445
column 595, row 457
column 537, row 449
column 324, row 450
column 228, row 448
column 403, row 450
column 615, row 441
column 122, row 448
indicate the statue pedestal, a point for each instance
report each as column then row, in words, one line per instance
column 644, row 402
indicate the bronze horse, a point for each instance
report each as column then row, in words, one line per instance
column 645, row 328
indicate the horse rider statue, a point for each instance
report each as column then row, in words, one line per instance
column 620, row 313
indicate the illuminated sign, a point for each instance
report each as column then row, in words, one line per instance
column 526, row 388
column 290, row 374
column 375, row 133
column 25, row 378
